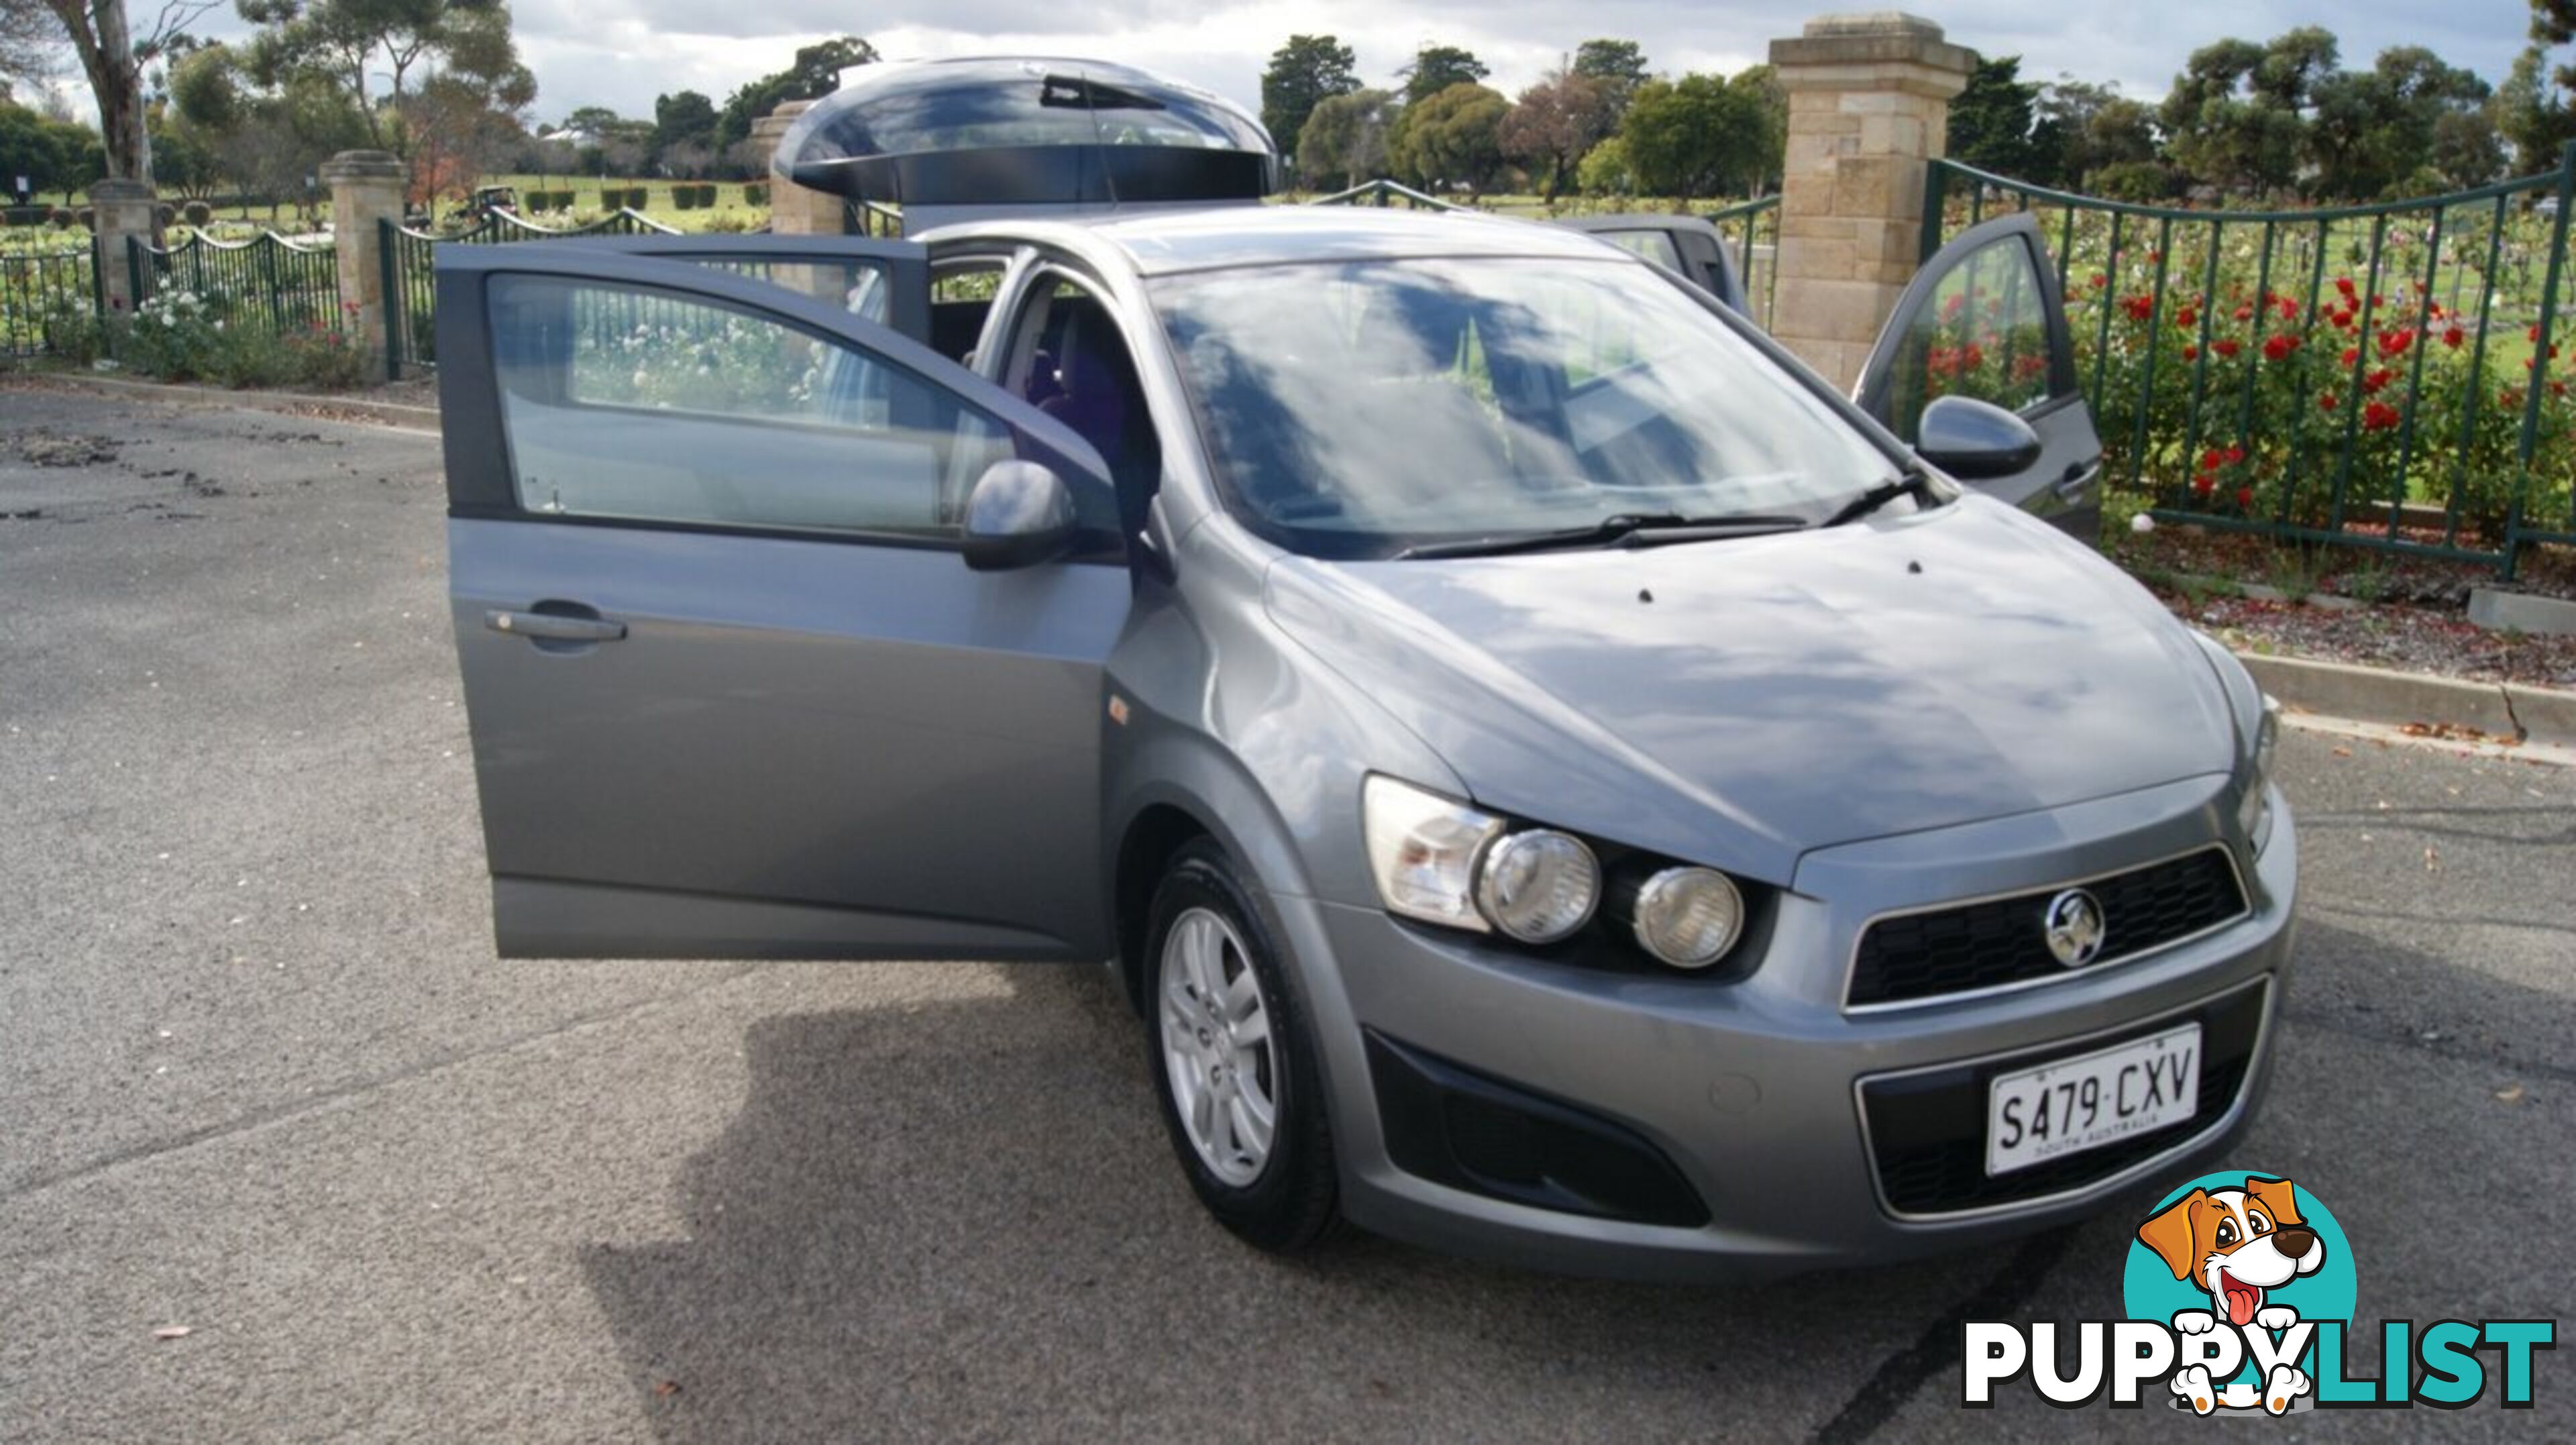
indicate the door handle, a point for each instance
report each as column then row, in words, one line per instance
column 2079, row 475
column 554, row 626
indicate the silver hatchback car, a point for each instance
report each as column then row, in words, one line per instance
column 1556, row 780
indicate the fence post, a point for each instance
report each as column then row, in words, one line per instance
column 796, row 210
column 1869, row 105
column 366, row 187
column 126, row 212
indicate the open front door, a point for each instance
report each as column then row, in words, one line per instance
column 1984, row 319
column 734, row 692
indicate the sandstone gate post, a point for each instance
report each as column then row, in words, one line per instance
column 1869, row 106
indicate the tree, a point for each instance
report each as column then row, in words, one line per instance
column 1557, row 122
column 2533, row 112
column 685, row 119
column 1452, row 139
column 266, row 140
column 53, row 155
column 1604, row 171
column 1991, row 121
column 1303, row 74
column 112, row 56
column 29, row 36
column 1619, row 65
column 815, row 73
column 2373, row 131
column 1344, row 141
column 2079, row 128
column 2234, row 116
column 1703, row 135
column 1436, row 68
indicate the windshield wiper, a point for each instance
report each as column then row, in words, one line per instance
column 1913, row 480
column 1632, row 529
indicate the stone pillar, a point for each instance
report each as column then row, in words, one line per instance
column 122, row 210
column 1869, row 104
column 796, row 210
column 366, row 188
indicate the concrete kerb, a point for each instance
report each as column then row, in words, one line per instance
column 2377, row 695
column 290, row 403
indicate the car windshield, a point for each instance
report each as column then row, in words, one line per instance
column 1360, row 409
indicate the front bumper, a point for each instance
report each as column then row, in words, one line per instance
column 1752, row 1091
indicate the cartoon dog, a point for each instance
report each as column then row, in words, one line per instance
column 2237, row 1244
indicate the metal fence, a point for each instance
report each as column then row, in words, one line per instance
column 1752, row 230
column 269, row 282
column 41, row 292
column 2383, row 376
column 410, row 271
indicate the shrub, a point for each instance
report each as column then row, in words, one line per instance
column 729, row 222
column 61, row 217
column 707, row 195
column 166, row 214
column 88, row 220
column 684, row 198
column 198, row 213
column 73, row 332
column 755, row 194
column 176, row 334
column 563, row 200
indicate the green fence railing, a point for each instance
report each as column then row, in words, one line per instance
column 269, row 281
column 42, row 291
column 410, row 271
column 1752, row 229
column 2384, row 376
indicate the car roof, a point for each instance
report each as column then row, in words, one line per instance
column 1163, row 241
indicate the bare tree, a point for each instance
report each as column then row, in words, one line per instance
column 29, row 37
column 113, row 56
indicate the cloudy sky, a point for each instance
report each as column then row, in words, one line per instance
column 622, row 53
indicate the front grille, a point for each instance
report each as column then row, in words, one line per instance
column 1927, row 1131
column 2004, row 940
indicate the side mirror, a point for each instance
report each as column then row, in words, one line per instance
column 1020, row 514
column 1973, row 440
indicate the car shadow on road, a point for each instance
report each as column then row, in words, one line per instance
column 963, row 1218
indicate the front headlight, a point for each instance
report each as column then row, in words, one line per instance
column 1539, row 885
column 1441, row 861
column 2254, row 809
column 1688, row 917
column 1422, row 851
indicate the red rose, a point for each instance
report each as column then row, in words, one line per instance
column 2289, row 309
column 2190, row 353
column 2187, row 316
column 2453, row 337
column 2225, row 346
column 2344, row 285
column 2140, row 307
column 2100, row 280
column 2351, row 354
column 1972, row 358
column 2378, row 416
column 2235, row 454
column 2394, row 343
column 2201, row 487
column 2245, row 499
column 2557, row 388
column 2212, row 460
column 2327, row 402
column 2244, row 313
column 2278, row 347
column 2371, row 384
column 1950, row 308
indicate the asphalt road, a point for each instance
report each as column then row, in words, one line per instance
column 261, row 1077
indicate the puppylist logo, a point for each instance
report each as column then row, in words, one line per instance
column 2240, row 1292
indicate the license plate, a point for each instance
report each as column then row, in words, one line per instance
column 2091, row 1100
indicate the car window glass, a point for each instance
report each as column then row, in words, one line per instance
column 1520, row 396
column 1982, row 333
column 633, row 403
column 1074, row 363
column 1655, row 246
column 856, row 285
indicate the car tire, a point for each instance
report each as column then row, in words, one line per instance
column 1207, row 934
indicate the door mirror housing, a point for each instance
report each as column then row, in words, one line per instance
column 1020, row 513
column 1973, row 439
